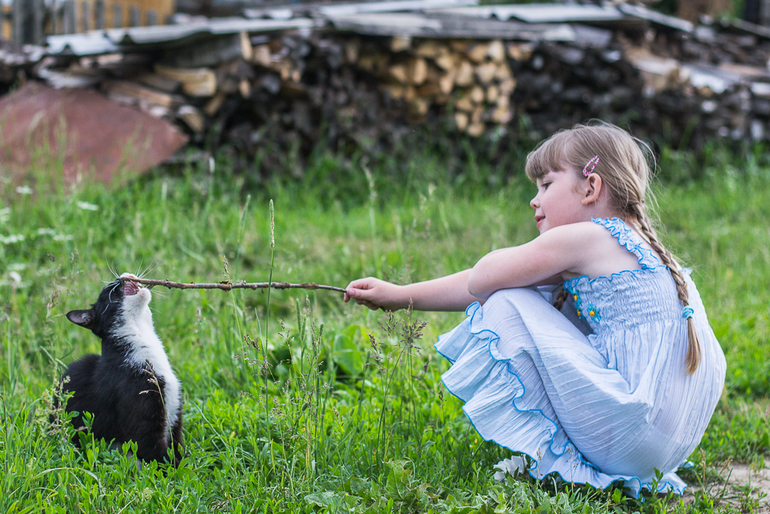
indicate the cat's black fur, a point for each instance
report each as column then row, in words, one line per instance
column 117, row 387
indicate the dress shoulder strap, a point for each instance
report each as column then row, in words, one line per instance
column 629, row 240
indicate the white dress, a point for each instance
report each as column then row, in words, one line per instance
column 597, row 393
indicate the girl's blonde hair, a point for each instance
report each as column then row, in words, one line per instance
column 625, row 166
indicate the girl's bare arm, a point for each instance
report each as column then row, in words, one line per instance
column 449, row 293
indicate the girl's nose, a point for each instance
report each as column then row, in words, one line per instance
column 534, row 203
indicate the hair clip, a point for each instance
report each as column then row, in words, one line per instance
column 687, row 312
column 593, row 162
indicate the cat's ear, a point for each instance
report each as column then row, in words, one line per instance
column 82, row 318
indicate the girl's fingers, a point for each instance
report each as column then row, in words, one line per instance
column 370, row 305
column 365, row 292
column 358, row 288
column 361, row 283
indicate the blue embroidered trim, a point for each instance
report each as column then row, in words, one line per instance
column 625, row 238
column 471, row 311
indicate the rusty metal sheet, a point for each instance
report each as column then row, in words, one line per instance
column 91, row 135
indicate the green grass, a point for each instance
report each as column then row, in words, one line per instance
column 303, row 403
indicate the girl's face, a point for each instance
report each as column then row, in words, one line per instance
column 558, row 200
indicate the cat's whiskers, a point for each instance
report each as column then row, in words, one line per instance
column 150, row 268
column 160, row 294
column 117, row 283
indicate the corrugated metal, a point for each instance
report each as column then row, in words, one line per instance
column 443, row 26
column 80, row 44
column 391, row 6
column 656, row 17
column 401, row 24
column 420, row 18
column 542, row 13
column 217, row 26
column 102, row 42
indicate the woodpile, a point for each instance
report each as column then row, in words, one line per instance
column 16, row 63
column 470, row 79
column 270, row 98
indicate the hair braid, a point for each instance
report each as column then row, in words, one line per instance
column 561, row 297
column 693, row 348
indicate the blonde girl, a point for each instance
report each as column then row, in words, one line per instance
column 616, row 376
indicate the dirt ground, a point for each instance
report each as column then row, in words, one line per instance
column 746, row 488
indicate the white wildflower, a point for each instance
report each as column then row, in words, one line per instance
column 13, row 238
column 87, row 206
column 62, row 237
column 5, row 214
column 15, row 277
column 24, row 190
column 46, row 232
column 510, row 467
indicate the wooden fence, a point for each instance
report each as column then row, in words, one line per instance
column 29, row 21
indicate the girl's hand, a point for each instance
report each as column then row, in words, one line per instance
column 449, row 293
column 374, row 294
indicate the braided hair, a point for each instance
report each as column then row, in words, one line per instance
column 625, row 167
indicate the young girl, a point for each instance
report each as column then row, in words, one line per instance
column 617, row 380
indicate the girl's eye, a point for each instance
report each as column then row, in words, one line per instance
column 546, row 184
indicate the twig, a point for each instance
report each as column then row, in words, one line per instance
column 227, row 286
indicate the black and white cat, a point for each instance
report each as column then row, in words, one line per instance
column 130, row 389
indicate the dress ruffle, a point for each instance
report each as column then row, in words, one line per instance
column 519, row 391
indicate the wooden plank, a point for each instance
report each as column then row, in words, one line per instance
column 206, row 52
column 99, row 15
column 117, row 16
column 20, row 10
column 163, row 9
column 54, row 20
column 38, row 22
column 134, row 16
column 138, row 91
column 69, row 24
column 159, row 82
column 85, row 16
column 200, row 82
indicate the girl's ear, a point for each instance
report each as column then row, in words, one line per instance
column 592, row 188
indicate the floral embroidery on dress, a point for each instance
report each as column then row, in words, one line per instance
column 583, row 312
column 575, row 299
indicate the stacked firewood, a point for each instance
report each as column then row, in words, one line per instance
column 471, row 79
column 273, row 97
column 16, row 63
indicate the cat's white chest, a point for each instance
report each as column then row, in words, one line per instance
column 146, row 346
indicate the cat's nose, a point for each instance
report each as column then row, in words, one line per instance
column 128, row 275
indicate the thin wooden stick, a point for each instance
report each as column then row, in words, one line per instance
column 227, row 286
